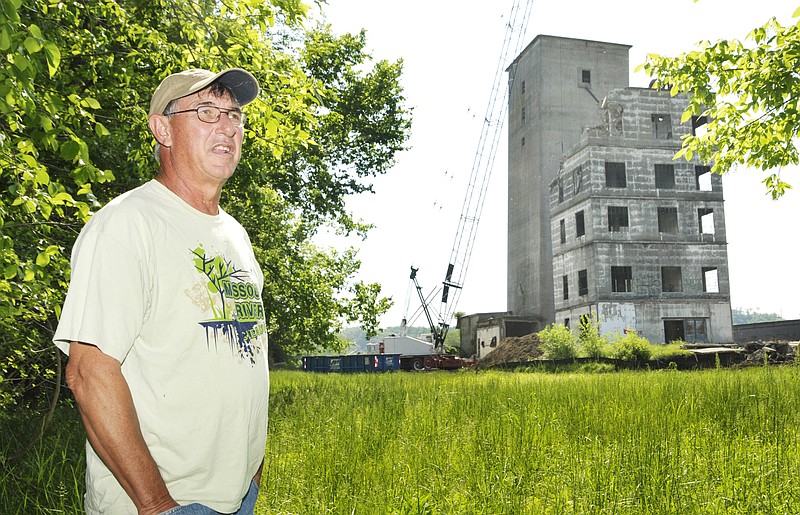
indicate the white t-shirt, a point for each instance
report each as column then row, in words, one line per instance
column 175, row 296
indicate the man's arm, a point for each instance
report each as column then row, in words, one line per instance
column 112, row 426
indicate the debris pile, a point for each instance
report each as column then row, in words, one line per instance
column 774, row 352
column 513, row 349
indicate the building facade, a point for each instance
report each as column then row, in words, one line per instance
column 602, row 219
column 638, row 237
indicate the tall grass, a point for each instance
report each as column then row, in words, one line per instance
column 48, row 478
column 716, row 441
column 668, row 442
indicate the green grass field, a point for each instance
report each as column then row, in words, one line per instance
column 667, row 442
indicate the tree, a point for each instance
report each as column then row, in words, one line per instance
column 75, row 84
column 749, row 94
column 750, row 316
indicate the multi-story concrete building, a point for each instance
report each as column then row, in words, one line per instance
column 639, row 238
column 601, row 218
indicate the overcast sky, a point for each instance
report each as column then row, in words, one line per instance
column 451, row 49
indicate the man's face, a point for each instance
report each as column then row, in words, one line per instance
column 205, row 152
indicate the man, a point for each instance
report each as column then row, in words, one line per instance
column 164, row 324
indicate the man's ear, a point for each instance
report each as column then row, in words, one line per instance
column 159, row 126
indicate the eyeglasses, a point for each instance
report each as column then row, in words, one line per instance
column 211, row 114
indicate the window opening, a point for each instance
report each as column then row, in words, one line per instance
column 705, row 218
column 665, row 176
column 699, row 127
column 621, row 279
column 583, row 283
column 703, row 178
column 565, row 282
column 662, row 126
column 674, row 331
column 615, row 175
column 580, row 230
column 586, row 76
column 563, row 228
column 668, row 220
column 671, row 279
column 617, row 218
column 695, row 330
column 577, row 179
column 710, row 279
column 523, row 115
column 560, row 192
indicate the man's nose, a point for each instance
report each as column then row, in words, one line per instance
column 226, row 125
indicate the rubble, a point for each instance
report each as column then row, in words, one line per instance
column 773, row 352
column 513, row 349
column 521, row 349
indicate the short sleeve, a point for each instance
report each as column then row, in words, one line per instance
column 106, row 299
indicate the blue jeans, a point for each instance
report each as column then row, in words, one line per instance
column 247, row 508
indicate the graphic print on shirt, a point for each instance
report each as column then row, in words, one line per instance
column 237, row 311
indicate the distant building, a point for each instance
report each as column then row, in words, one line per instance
column 481, row 333
column 601, row 218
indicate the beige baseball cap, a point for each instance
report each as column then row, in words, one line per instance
column 178, row 85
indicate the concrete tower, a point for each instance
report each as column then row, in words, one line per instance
column 555, row 88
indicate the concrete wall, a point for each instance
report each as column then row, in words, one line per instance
column 489, row 337
column 468, row 326
column 549, row 106
column 779, row 330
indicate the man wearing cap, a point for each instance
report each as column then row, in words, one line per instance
column 163, row 321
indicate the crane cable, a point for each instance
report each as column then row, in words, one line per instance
column 483, row 164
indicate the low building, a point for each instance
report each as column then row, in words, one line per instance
column 481, row 333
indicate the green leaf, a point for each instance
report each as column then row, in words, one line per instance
column 10, row 9
column 42, row 177
column 29, row 160
column 34, row 30
column 10, row 271
column 32, row 45
column 70, row 149
column 5, row 39
column 53, row 55
column 43, row 259
column 100, row 129
column 91, row 102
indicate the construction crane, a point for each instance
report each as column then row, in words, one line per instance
column 477, row 186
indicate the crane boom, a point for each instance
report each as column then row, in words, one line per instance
column 482, row 166
column 437, row 332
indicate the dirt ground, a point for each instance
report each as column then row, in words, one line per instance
column 513, row 350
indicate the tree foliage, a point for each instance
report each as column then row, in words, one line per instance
column 630, row 347
column 749, row 93
column 592, row 343
column 750, row 316
column 557, row 342
column 75, row 84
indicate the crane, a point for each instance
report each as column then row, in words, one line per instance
column 477, row 185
